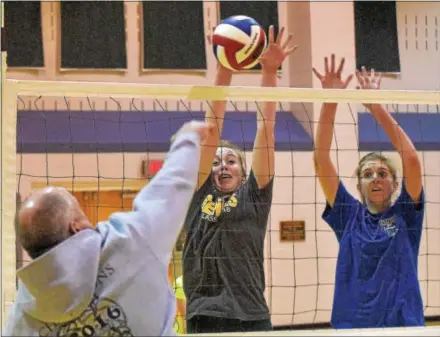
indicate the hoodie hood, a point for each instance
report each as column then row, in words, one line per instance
column 59, row 285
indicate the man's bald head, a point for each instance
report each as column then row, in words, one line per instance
column 48, row 217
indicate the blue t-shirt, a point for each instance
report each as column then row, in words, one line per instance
column 376, row 274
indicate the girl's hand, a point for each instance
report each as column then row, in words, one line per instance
column 277, row 50
column 332, row 78
column 366, row 81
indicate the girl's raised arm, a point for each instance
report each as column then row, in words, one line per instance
column 326, row 171
column 263, row 155
column 412, row 168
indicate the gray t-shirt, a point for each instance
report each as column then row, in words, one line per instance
column 223, row 257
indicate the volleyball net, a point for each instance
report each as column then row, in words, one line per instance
column 104, row 141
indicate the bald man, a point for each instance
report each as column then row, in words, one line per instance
column 112, row 280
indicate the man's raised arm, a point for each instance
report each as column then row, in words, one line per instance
column 160, row 208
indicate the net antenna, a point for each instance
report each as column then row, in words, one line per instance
column 12, row 89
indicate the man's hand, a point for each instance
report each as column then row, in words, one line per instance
column 201, row 128
column 332, row 78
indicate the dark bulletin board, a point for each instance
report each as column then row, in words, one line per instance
column 376, row 36
column 24, row 38
column 173, row 35
column 93, row 35
column 264, row 12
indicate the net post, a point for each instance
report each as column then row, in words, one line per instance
column 8, row 186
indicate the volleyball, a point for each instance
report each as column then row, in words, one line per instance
column 238, row 42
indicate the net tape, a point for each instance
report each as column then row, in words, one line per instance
column 233, row 93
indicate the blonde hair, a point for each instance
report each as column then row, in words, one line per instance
column 376, row 156
column 229, row 145
column 238, row 151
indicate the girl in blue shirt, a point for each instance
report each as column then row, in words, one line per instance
column 376, row 274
